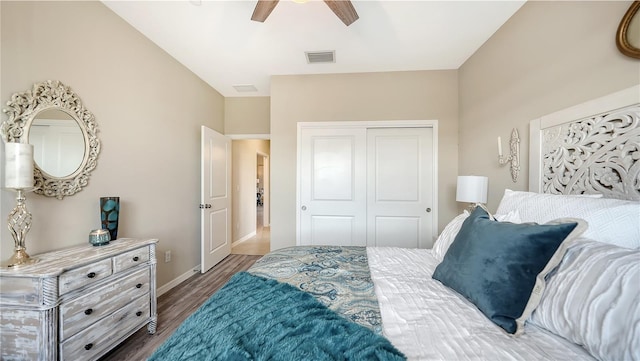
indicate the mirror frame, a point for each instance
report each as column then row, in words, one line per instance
column 622, row 39
column 23, row 108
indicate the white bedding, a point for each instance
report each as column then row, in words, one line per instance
column 428, row 321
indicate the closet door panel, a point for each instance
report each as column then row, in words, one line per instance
column 399, row 189
column 398, row 231
column 332, row 187
column 332, row 231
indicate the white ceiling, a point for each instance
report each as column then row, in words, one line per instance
column 218, row 41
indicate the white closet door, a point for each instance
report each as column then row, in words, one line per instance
column 400, row 187
column 333, row 187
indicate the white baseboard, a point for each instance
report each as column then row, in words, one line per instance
column 183, row 277
column 252, row 234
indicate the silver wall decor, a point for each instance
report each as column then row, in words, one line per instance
column 514, row 154
column 24, row 109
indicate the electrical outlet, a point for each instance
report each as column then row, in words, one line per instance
column 167, row 256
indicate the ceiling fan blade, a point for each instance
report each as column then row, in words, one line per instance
column 344, row 10
column 263, row 9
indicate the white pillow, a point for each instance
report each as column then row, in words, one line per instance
column 611, row 221
column 441, row 246
column 593, row 299
column 450, row 231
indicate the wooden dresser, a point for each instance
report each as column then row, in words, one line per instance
column 78, row 303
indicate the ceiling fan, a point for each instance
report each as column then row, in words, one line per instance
column 342, row 8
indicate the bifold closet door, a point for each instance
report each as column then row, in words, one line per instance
column 400, row 187
column 333, row 187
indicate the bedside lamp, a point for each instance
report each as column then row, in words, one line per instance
column 472, row 189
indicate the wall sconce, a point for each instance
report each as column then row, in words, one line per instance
column 472, row 189
column 514, row 154
column 19, row 177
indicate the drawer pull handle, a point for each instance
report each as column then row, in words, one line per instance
column 139, row 313
column 139, row 285
column 136, row 258
column 88, row 311
column 88, row 346
column 91, row 274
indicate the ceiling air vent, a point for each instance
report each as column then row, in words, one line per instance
column 245, row 88
column 314, row 57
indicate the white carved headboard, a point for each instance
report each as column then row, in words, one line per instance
column 593, row 147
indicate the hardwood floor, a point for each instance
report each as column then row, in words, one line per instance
column 177, row 304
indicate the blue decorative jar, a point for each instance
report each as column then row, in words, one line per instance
column 99, row 237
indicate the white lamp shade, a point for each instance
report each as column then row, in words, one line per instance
column 472, row 189
column 18, row 165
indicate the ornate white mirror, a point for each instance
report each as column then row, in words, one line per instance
column 63, row 132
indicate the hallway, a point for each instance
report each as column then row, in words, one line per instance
column 258, row 244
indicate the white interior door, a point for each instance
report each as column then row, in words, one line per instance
column 400, row 187
column 215, row 198
column 332, row 187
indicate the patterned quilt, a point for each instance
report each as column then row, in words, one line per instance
column 338, row 277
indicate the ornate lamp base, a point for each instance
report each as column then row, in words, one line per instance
column 19, row 258
column 19, row 224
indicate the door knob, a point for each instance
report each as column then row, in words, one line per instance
column 428, row 210
column 304, row 208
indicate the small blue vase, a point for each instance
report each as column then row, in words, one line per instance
column 109, row 213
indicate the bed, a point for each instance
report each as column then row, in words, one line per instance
column 554, row 274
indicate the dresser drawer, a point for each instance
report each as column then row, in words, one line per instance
column 85, row 310
column 84, row 276
column 101, row 335
column 130, row 259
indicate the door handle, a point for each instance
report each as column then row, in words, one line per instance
column 428, row 210
column 202, row 206
column 304, row 208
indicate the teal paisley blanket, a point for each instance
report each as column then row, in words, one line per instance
column 253, row 318
column 338, row 277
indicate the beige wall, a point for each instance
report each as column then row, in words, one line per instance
column 244, row 171
column 247, row 115
column 419, row 95
column 149, row 109
column 548, row 56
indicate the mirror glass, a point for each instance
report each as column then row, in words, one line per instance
column 58, row 143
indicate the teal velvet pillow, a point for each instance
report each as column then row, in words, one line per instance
column 500, row 266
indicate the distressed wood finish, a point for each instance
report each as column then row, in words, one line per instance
column 85, row 310
column 130, row 259
column 84, row 276
column 78, row 303
column 93, row 341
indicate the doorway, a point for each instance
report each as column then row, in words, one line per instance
column 250, row 164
